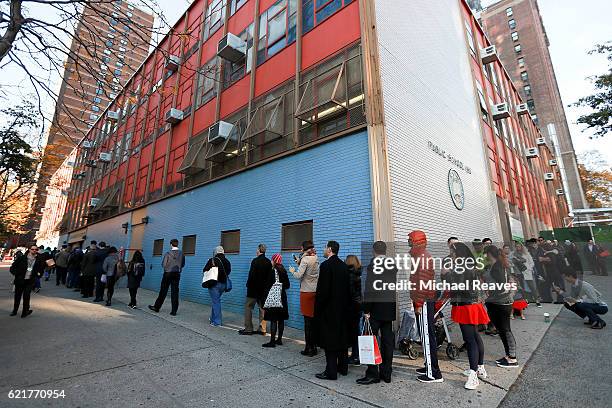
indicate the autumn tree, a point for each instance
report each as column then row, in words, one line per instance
column 597, row 186
column 18, row 162
column 600, row 120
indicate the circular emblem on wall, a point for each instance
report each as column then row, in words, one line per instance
column 455, row 188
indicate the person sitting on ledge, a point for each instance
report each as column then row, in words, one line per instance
column 584, row 300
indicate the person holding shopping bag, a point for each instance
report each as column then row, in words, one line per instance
column 276, row 310
column 219, row 285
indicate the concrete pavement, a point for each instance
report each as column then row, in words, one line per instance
column 121, row 357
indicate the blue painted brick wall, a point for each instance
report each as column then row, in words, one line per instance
column 329, row 184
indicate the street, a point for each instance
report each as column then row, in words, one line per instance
column 111, row 357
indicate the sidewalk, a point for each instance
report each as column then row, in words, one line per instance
column 117, row 356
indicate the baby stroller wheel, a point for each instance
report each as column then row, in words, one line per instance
column 452, row 351
column 407, row 348
column 413, row 353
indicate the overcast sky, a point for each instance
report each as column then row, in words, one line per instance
column 573, row 28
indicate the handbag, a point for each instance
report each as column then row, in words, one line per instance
column 210, row 276
column 274, row 298
column 228, row 282
column 369, row 352
column 103, row 278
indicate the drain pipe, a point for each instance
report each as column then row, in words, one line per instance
column 552, row 133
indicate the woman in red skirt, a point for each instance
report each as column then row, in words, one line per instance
column 467, row 311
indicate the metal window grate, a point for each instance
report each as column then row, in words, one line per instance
column 158, row 247
column 324, row 96
column 293, row 234
column 194, row 160
column 189, row 245
column 267, row 123
column 230, row 241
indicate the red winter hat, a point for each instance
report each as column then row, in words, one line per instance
column 277, row 259
column 418, row 238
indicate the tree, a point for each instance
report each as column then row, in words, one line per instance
column 601, row 102
column 597, row 186
column 18, row 163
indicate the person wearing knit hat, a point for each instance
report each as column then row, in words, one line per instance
column 276, row 315
column 216, row 288
column 424, row 306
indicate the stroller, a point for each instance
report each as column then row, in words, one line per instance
column 408, row 334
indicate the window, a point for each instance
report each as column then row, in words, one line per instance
column 512, row 24
column 129, row 14
column 189, row 244
column 531, row 105
column 521, row 62
column 316, row 11
column 235, row 5
column 517, row 48
column 527, row 89
column 123, row 42
column 206, row 87
column 97, row 99
column 106, row 59
column 122, row 49
column 117, row 72
column 93, row 116
column 509, row 11
column 483, row 104
column 110, row 35
column 95, row 108
column 535, row 119
column 514, row 36
column 109, row 43
column 276, row 29
column 214, row 17
column 119, row 64
column 230, row 241
column 107, row 52
column 112, row 95
column 235, row 70
column 158, row 247
column 293, row 234
column 524, row 76
column 99, row 91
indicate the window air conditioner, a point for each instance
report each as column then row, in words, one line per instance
column 112, row 116
column 79, row 176
column 90, row 163
column 174, row 116
column 500, row 111
column 488, row 55
column 540, row 141
column 93, row 201
column 219, row 132
column 86, row 144
column 173, row 62
column 231, row 48
column 522, row 109
column 105, row 157
column 552, row 162
column 532, row 152
column 549, row 176
column 559, row 191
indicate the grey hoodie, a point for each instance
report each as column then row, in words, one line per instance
column 109, row 264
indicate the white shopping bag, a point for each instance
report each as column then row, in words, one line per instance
column 210, row 275
column 369, row 352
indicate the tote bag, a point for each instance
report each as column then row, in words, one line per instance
column 274, row 298
column 210, row 277
column 369, row 352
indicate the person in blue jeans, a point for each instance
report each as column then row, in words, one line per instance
column 583, row 299
column 217, row 288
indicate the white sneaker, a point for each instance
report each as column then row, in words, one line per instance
column 472, row 382
column 482, row 373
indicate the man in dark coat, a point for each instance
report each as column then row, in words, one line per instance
column 89, row 266
column 597, row 263
column 260, row 268
column 379, row 307
column 333, row 312
column 101, row 254
column 26, row 269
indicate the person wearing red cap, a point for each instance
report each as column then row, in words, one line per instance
column 423, row 300
column 276, row 315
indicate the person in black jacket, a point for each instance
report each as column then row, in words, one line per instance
column 260, row 267
column 89, row 267
column 379, row 308
column 135, row 273
column 217, row 289
column 333, row 312
column 277, row 315
column 74, row 267
column 26, row 269
column 354, row 267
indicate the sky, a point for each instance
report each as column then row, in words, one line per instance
column 573, row 28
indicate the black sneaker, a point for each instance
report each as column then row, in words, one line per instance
column 354, row 361
column 269, row 344
column 538, row 304
column 151, row 307
column 426, row 379
column 504, row 363
column 598, row 325
column 421, row 371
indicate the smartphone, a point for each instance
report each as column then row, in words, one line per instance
column 296, row 258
